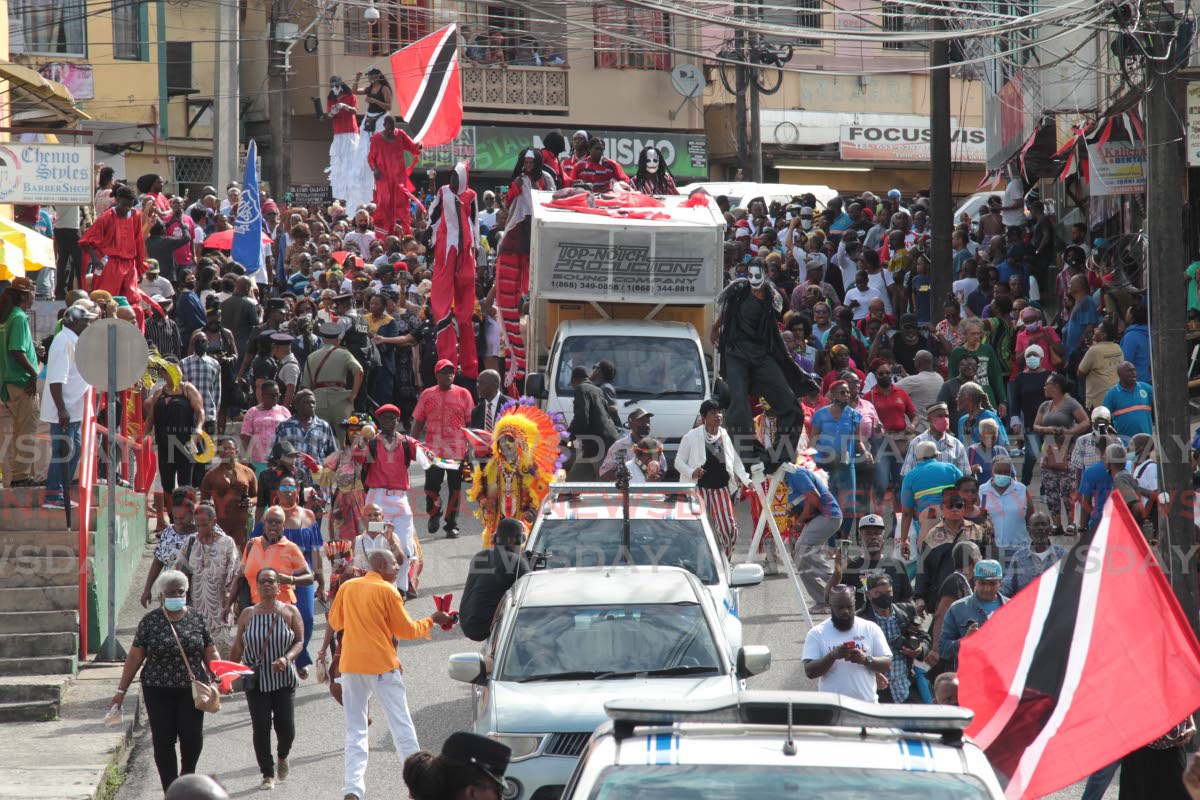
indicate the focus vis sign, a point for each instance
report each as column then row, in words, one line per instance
column 908, row 143
column 46, row 174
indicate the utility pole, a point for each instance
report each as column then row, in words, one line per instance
column 279, row 107
column 741, row 77
column 756, row 167
column 226, row 125
column 941, row 206
column 1166, row 185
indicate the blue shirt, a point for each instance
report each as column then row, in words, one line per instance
column 833, row 438
column 1096, row 485
column 1007, row 270
column 1135, row 346
column 1007, row 510
column 922, row 291
column 803, row 481
column 968, row 432
column 1083, row 315
column 923, row 485
column 1132, row 409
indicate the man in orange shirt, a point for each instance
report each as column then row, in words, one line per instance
column 370, row 614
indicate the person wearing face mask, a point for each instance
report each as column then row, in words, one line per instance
column 907, row 640
column 1008, row 505
column 1034, row 331
column 1026, row 392
column 967, row 615
column 1026, row 563
column 172, row 643
column 753, row 355
column 949, row 449
column 653, row 177
column 845, row 653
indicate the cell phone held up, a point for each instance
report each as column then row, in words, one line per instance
column 377, row 527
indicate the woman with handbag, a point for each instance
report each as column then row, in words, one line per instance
column 171, row 648
column 270, row 634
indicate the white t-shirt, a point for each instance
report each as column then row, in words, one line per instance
column 864, row 299
column 361, row 239
column 852, row 680
column 963, row 287
column 1014, row 194
column 880, row 282
column 60, row 368
column 159, row 285
column 487, row 218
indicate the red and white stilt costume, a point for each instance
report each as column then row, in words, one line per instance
column 393, row 189
column 454, row 217
column 120, row 239
column 512, row 267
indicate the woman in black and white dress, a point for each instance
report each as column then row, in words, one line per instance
column 269, row 636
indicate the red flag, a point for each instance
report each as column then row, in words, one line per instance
column 429, row 87
column 1091, row 661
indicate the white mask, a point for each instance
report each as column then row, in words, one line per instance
column 757, row 276
column 806, row 223
column 652, row 162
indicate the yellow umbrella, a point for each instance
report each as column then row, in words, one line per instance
column 12, row 261
column 37, row 251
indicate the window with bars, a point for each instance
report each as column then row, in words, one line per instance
column 193, row 169
column 50, row 27
column 399, row 25
column 129, row 30
column 797, row 14
column 651, row 29
column 896, row 19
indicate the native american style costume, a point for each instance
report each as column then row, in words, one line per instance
column 349, row 175
column 454, row 217
column 512, row 263
column 393, row 189
column 120, row 240
column 653, row 176
column 525, row 459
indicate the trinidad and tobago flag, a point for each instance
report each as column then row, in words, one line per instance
column 1090, row 662
column 429, row 87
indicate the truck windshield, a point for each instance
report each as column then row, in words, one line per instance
column 652, row 542
column 646, row 365
column 722, row 781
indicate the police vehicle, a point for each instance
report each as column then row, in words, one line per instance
column 777, row 745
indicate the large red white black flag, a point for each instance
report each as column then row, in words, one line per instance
column 429, row 87
column 1090, row 662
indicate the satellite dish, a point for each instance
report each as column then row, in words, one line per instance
column 687, row 80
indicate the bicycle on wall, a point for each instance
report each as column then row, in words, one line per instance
column 768, row 60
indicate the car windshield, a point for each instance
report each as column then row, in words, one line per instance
column 598, row 642
column 652, row 542
column 645, row 365
column 722, row 781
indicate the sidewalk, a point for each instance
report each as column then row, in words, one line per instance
column 74, row 757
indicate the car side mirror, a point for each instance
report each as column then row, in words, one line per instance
column 753, row 659
column 535, row 385
column 745, row 575
column 468, row 668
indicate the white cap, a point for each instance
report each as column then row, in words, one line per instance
column 871, row 521
column 1035, row 350
column 806, row 211
column 1101, row 412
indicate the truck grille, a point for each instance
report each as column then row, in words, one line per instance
column 566, row 744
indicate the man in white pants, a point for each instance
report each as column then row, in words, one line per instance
column 370, row 613
column 387, row 458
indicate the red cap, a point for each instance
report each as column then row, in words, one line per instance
column 379, row 412
column 442, row 364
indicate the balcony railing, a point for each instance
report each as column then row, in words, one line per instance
column 515, row 89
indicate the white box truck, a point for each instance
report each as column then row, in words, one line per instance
column 638, row 292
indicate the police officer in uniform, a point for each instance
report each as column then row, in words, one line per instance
column 334, row 375
column 357, row 340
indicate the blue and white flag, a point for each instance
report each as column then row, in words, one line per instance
column 248, row 247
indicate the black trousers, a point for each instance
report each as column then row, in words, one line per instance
column 764, row 379
column 175, row 466
column 433, row 491
column 173, row 718
column 69, row 261
column 267, row 708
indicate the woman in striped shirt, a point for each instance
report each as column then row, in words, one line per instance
column 270, row 634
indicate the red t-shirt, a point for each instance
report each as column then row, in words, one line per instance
column 893, row 408
column 344, row 121
column 390, row 468
column 445, row 414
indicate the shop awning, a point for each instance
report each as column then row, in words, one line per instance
column 31, row 90
column 23, row 250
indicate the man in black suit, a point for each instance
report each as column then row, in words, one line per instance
column 907, row 640
column 487, row 410
column 591, row 427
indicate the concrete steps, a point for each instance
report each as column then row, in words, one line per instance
column 39, row 665
column 32, row 571
column 40, row 598
column 38, row 645
column 17, row 622
column 33, row 689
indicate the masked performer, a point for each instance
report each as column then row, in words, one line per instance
column 393, row 189
column 753, row 354
column 525, row 458
column 512, row 264
column 115, row 244
column 348, row 174
column 652, row 175
column 453, row 215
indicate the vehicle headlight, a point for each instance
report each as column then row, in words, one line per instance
column 522, row 745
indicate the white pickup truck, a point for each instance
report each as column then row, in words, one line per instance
column 637, row 292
